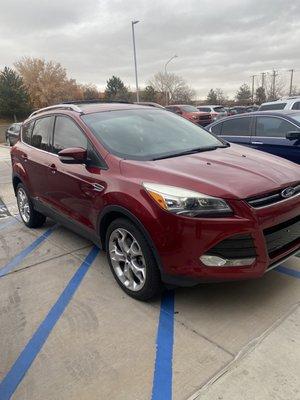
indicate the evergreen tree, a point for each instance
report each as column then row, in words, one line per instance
column 149, row 94
column 116, row 90
column 260, row 95
column 14, row 100
column 244, row 95
column 212, row 97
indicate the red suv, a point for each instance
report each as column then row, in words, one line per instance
column 191, row 113
column 167, row 200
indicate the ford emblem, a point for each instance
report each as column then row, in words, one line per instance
column 288, row 192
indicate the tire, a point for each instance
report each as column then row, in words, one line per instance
column 136, row 272
column 8, row 141
column 30, row 217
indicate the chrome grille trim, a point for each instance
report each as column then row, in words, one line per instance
column 272, row 198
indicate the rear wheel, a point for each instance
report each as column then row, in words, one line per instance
column 30, row 217
column 131, row 260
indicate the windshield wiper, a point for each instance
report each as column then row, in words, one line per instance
column 186, row 152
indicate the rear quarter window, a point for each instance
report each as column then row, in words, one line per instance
column 26, row 132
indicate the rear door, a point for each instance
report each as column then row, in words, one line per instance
column 270, row 136
column 237, row 130
column 35, row 158
column 75, row 190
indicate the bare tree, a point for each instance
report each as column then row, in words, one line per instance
column 275, row 86
column 175, row 86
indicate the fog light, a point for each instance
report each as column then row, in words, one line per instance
column 216, row 261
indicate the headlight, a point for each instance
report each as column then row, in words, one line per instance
column 187, row 202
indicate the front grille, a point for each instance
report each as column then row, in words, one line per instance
column 271, row 198
column 280, row 237
column 238, row 246
column 204, row 117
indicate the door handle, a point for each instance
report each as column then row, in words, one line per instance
column 256, row 142
column 53, row 168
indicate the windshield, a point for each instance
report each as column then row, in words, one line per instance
column 189, row 108
column 147, row 134
column 273, row 106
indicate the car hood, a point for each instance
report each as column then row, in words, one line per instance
column 236, row 172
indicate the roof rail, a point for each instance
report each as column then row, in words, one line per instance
column 64, row 106
column 289, row 97
column 95, row 101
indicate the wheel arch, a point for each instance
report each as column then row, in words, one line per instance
column 110, row 213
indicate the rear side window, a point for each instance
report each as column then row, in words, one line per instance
column 274, row 106
column 204, row 109
column 296, row 106
column 237, row 127
column 67, row 134
column 26, row 132
column 219, row 109
column 216, row 129
column 273, row 127
column 41, row 133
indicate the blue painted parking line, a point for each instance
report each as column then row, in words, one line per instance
column 19, row 257
column 8, row 222
column 33, row 347
column 288, row 271
column 162, row 379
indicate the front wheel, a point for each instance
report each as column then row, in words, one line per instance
column 131, row 260
column 30, row 217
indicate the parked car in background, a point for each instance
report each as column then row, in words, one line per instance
column 12, row 134
column 167, row 200
column 276, row 132
column 252, row 108
column 285, row 103
column 216, row 112
column 191, row 113
column 238, row 110
column 150, row 104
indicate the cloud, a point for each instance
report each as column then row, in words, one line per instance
column 219, row 43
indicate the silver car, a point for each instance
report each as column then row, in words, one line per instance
column 216, row 112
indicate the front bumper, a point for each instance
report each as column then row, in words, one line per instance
column 182, row 241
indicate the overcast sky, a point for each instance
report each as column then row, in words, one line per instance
column 218, row 43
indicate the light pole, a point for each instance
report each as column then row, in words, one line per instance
column 172, row 58
column 135, row 65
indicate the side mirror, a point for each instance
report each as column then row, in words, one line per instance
column 294, row 135
column 73, row 155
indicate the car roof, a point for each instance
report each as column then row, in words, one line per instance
column 276, row 113
column 89, row 108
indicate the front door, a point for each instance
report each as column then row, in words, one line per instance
column 270, row 136
column 75, row 190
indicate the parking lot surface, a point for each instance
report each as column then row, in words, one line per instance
column 67, row 331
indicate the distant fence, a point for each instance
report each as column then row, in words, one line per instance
column 2, row 132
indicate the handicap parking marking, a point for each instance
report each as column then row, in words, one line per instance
column 288, row 271
column 163, row 374
column 12, row 264
column 17, row 372
column 7, row 222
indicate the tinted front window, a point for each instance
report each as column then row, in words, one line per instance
column 67, row 134
column 273, row 127
column 274, row 106
column 237, row 127
column 147, row 134
column 41, row 133
column 216, row 129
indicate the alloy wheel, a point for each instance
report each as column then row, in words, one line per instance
column 23, row 204
column 127, row 259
